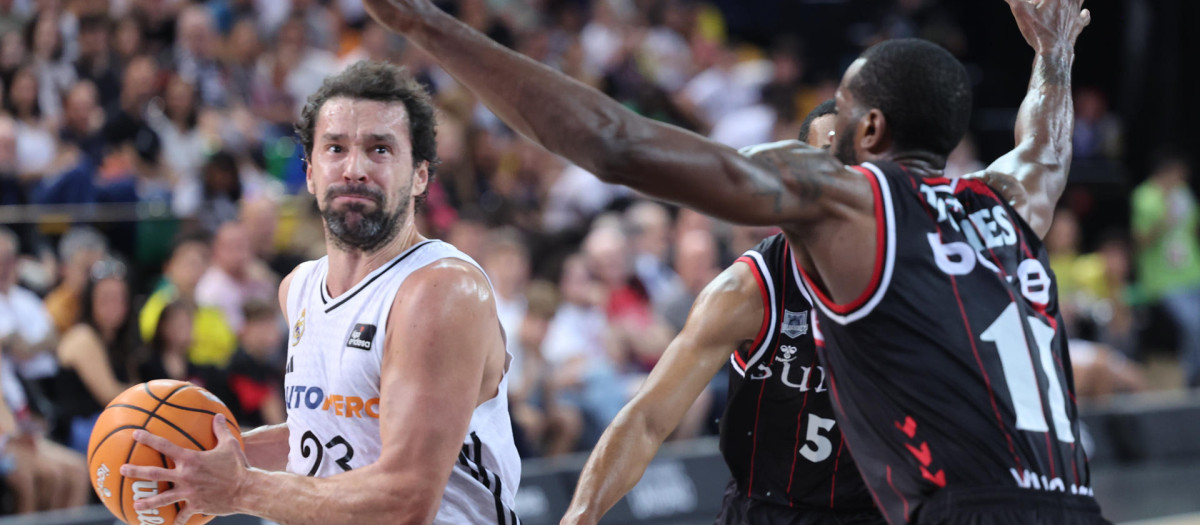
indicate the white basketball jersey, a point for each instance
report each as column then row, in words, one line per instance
column 335, row 352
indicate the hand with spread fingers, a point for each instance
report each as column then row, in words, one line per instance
column 1049, row 23
column 206, row 481
column 399, row 15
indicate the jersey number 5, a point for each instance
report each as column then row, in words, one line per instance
column 1008, row 334
column 818, row 447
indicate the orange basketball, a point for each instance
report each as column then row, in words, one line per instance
column 176, row 410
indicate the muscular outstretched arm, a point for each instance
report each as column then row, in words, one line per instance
column 728, row 313
column 1033, row 175
column 617, row 145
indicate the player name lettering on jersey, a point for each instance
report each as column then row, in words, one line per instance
column 1028, row 479
column 789, row 377
column 314, row 398
column 987, row 228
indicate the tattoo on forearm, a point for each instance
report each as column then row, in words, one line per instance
column 801, row 175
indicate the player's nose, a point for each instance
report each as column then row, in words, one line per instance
column 356, row 167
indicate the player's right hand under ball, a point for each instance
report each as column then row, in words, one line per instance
column 207, row 481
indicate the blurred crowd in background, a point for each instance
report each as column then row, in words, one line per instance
column 152, row 196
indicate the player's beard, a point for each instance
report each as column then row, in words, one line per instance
column 844, row 147
column 352, row 227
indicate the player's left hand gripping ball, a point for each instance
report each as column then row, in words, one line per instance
column 207, row 481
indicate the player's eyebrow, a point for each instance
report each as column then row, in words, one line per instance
column 333, row 137
column 381, row 137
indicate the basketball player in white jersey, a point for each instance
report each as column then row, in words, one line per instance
column 396, row 371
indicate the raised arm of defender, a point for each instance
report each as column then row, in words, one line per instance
column 619, row 146
column 728, row 313
column 1033, row 175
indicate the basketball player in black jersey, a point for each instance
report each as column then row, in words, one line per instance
column 778, row 434
column 938, row 315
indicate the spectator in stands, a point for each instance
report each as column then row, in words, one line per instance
column 639, row 335
column 194, row 55
column 1166, row 222
column 41, row 474
column 12, row 190
column 139, row 85
column 78, row 250
column 43, row 38
column 649, row 227
column 213, row 341
column 166, row 356
column 26, row 331
column 219, row 192
column 697, row 264
column 177, row 123
column 583, row 373
column 255, row 374
column 96, row 356
column 243, row 47
column 552, row 427
column 96, row 61
column 82, row 118
column 235, row 276
column 260, row 216
column 36, row 143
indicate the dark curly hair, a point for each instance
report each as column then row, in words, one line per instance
column 381, row 82
column 924, row 92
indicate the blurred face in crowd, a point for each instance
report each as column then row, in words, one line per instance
column 508, row 267
column 128, row 37
column 139, row 86
column 1063, row 237
column 12, row 50
column 260, row 219
column 110, row 304
column 1172, row 174
column 196, row 32
column 652, row 225
column 261, row 337
column 231, row 250
column 577, row 284
column 24, row 91
column 81, row 262
column 1115, row 253
column 180, row 98
column 375, row 41
column 45, row 37
column 361, row 169
column 696, row 259
column 607, row 256
column 93, row 42
column 81, row 106
column 178, row 328
column 243, row 42
column 187, row 266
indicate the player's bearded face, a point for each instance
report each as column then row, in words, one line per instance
column 363, row 226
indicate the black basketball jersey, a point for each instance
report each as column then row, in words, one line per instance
column 778, row 433
column 951, row 370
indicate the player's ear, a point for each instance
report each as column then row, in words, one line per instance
column 308, row 180
column 873, row 134
column 420, row 178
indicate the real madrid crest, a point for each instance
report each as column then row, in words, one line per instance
column 298, row 329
